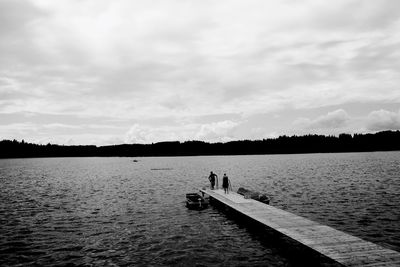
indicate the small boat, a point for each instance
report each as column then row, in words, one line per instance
column 253, row 195
column 196, row 201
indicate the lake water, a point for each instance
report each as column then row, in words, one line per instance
column 116, row 212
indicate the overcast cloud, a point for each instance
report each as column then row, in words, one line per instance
column 106, row 72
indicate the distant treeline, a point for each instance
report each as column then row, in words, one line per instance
column 381, row 141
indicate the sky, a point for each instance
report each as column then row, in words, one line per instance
column 124, row 71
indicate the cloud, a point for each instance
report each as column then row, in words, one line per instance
column 212, row 132
column 358, row 15
column 138, row 61
column 78, row 134
column 144, row 134
column 218, row 131
column 380, row 120
column 211, row 53
column 333, row 120
column 78, row 139
column 339, row 121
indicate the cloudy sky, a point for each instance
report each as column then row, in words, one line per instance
column 109, row 72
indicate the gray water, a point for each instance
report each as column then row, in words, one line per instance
column 116, row 212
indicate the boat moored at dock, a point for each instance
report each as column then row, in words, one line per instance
column 253, row 195
column 196, row 201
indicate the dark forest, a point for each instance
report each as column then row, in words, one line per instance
column 381, row 141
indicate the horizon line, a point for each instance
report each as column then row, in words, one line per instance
column 208, row 142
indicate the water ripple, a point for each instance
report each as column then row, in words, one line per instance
column 110, row 211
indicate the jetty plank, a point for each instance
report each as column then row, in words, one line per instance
column 341, row 247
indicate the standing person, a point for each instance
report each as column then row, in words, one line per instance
column 225, row 183
column 212, row 179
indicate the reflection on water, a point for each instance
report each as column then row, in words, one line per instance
column 105, row 211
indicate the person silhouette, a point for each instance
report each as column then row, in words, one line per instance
column 225, row 183
column 212, row 179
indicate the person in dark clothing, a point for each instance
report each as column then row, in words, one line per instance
column 225, row 183
column 213, row 177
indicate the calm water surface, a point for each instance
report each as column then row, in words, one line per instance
column 116, row 212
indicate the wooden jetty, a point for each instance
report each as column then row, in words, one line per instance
column 343, row 248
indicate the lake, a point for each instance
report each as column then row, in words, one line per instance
column 117, row 212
